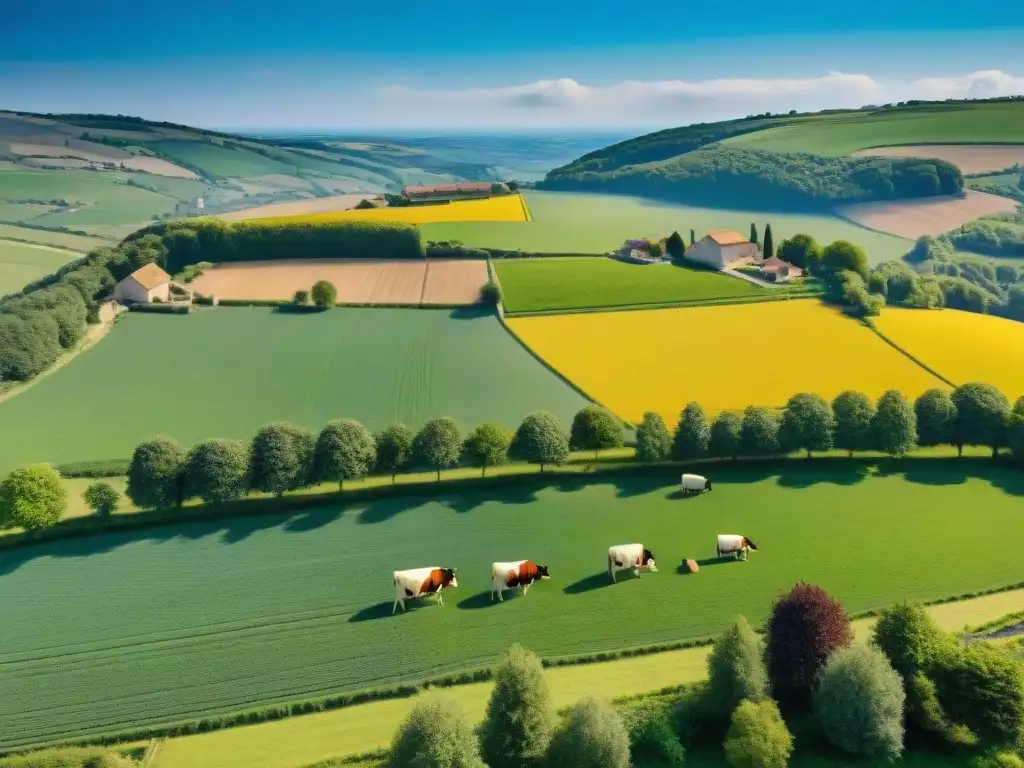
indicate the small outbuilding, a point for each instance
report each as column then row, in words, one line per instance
column 143, row 286
column 778, row 271
column 722, row 249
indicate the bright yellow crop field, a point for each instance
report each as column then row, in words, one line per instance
column 724, row 357
column 503, row 208
column 961, row 346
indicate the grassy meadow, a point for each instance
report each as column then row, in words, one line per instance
column 224, row 372
column 299, row 608
column 21, row 263
column 570, row 223
column 841, row 134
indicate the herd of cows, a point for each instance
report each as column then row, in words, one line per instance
column 417, row 583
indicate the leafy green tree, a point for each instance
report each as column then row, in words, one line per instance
column 726, row 436
column 759, row 433
column 345, row 450
column 520, row 719
column 438, row 445
column 32, row 497
column 652, row 740
column 801, row 251
column 653, row 442
column 435, row 734
column 758, row 737
column 768, row 250
column 593, row 736
column 693, row 237
column 394, row 449
column 301, row 299
column 982, row 687
column 486, row 446
column 540, row 439
column 490, row 294
column 281, row 458
column 859, row 703
column 1015, row 430
column 693, row 435
column 674, row 245
column 102, row 499
column 753, row 233
column 853, row 413
column 982, row 412
column 594, row 429
column 736, row 669
column 324, row 294
column 807, row 424
column 155, row 473
column 845, row 256
column 908, row 637
column 894, row 425
column 936, row 418
column 216, row 470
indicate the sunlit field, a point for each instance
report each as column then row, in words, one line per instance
column 501, row 208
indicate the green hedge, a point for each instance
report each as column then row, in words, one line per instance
column 162, row 309
column 100, row 468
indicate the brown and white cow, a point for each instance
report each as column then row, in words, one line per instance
column 520, row 573
column 421, row 582
column 733, row 544
column 624, row 557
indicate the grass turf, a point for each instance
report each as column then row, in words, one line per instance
column 21, row 263
column 301, row 605
column 47, row 237
column 226, row 371
column 221, row 161
column 569, row 223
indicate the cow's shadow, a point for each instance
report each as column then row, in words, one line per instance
column 596, row 581
column 483, row 600
column 383, row 610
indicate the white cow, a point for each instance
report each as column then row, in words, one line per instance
column 732, row 544
column 420, row 582
column 623, row 557
column 519, row 573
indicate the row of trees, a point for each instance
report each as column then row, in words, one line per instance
column 863, row 699
column 323, row 295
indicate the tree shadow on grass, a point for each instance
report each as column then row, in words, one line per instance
column 595, row 581
column 312, row 519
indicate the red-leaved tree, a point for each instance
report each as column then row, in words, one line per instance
column 806, row 625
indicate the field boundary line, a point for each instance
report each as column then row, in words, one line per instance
column 906, row 354
column 682, row 304
column 526, row 207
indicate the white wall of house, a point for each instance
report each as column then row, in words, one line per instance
column 708, row 252
column 129, row 290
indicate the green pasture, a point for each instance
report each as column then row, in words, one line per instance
column 21, row 263
column 226, row 371
column 841, row 134
column 533, row 285
column 569, row 222
column 208, row 617
column 48, row 237
column 220, row 161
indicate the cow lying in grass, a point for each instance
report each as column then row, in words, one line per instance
column 633, row 557
column 421, row 582
column 731, row 544
column 521, row 573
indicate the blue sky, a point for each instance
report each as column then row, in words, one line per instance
column 523, row 64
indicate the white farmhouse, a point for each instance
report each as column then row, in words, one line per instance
column 144, row 285
column 722, row 249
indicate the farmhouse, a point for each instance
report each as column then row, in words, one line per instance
column 722, row 249
column 463, row 190
column 777, row 271
column 144, row 285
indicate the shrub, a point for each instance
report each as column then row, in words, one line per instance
column 736, row 669
column 32, row 497
column 593, row 736
column 653, row 442
column 999, row 759
column 438, row 445
column 345, row 450
column 692, row 717
column 281, row 459
column 101, row 468
column 486, row 446
column 155, row 473
column 520, row 717
column 982, row 687
column 758, row 737
column 652, row 740
column 68, row 757
column 908, row 637
column 215, row 470
column 490, row 294
column 102, row 498
column 323, row 294
column 859, row 703
column 435, row 734
column 594, row 429
column 1015, row 430
column 540, row 439
column 845, row 256
column 693, row 435
column 801, row 251
column 301, row 298
column 805, row 627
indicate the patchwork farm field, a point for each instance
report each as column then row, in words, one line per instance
column 968, row 158
column 534, row 285
column 185, row 376
column 298, row 609
column 724, row 357
column 21, row 263
column 580, row 223
column 359, row 281
column 507, row 208
column 930, row 216
column 962, row 346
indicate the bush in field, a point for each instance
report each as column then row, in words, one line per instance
column 759, row 432
column 438, row 445
column 435, row 734
column 32, row 497
column 594, row 429
column 324, row 294
column 908, row 637
column 652, row 740
column 69, row 757
column 853, row 413
column 807, row 424
column 486, row 446
column 845, row 256
column 997, row 758
column 982, row 687
column 693, row 435
column 859, row 703
column 805, row 627
column 1015, row 430
column 155, row 473
column 490, row 294
column 345, row 450
column 736, row 669
column 981, row 415
column 894, row 425
column 520, row 717
column 281, row 459
column 801, row 251
column 394, row 449
column 653, row 442
column 726, row 436
column 758, row 737
column 301, row 298
column 593, row 736
column 540, row 439
column 215, row 471
column 102, row 499
column 936, row 418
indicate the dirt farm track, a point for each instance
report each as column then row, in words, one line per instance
column 359, row 281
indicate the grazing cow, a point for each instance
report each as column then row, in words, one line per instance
column 521, row 573
column 420, row 582
column 633, row 557
column 731, row 544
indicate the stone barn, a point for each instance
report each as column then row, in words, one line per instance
column 722, row 249
column 144, row 285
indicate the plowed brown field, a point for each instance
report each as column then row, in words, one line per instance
column 454, row 281
column 968, row 158
column 927, row 216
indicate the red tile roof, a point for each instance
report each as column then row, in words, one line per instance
column 448, row 189
column 727, row 237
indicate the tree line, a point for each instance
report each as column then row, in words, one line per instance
column 911, row 681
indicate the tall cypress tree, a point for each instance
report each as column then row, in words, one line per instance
column 693, row 237
column 753, row 233
column 769, row 246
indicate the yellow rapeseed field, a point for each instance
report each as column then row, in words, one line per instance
column 724, row 357
column 961, row 346
column 503, row 208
